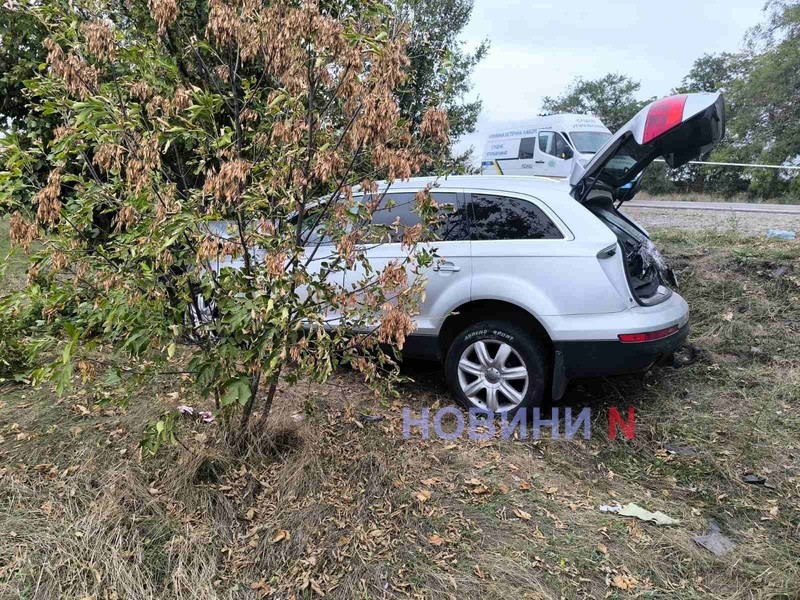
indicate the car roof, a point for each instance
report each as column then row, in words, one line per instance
column 535, row 186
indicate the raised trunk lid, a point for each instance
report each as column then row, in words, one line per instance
column 677, row 129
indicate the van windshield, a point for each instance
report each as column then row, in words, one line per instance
column 589, row 142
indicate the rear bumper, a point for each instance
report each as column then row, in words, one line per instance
column 598, row 358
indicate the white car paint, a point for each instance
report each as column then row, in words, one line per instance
column 561, row 282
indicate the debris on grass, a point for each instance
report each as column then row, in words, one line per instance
column 634, row 510
column 783, row 234
column 680, row 450
column 715, row 541
column 754, row 479
column 365, row 418
column 689, row 354
column 780, row 272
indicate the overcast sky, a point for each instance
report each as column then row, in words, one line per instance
column 538, row 47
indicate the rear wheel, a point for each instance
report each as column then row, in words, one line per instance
column 496, row 366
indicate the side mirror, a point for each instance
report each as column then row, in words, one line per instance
column 567, row 154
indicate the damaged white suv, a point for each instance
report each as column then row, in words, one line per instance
column 540, row 280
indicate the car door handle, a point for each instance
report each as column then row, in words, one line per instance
column 447, row 267
column 539, row 162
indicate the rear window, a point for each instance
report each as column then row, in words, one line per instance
column 503, row 218
column 628, row 156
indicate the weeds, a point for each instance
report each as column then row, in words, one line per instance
column 329, row 505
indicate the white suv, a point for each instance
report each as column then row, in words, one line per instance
column 539, row 280
column 543, row 280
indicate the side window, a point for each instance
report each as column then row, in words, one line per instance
column 561, row 148
column 453, row 224
column 526, row 148
column 504, row 218
column 546, row 141
column 554, row 144
column 312, row 218
column 392, row 207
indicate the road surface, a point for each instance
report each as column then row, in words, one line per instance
column 746, row 207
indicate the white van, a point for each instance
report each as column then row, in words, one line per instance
column 546, row 146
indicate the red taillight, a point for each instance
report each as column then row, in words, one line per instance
column 649, row 336
column 663, row 115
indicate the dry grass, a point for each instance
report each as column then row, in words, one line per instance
column 698, row 197
column 370, row 514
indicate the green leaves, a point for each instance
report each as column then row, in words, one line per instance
column 611, row 98
column 237, row 391
column 159, row 433
column 184, row 231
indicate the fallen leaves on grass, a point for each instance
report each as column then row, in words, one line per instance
column 624, row 582
column 423, row 495
column 281, row 535
column 521, row 514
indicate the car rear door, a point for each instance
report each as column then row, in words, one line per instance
column 448, row 279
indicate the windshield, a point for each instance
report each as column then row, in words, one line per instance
column 589, row 142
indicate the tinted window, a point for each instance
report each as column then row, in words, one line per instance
column 503, row 218
column 628, row 155
column 526, row 147
column 394, row 206
column 452, row 224
column 313, row 232
column 453, row 221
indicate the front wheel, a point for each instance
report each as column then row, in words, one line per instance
column 497, row 367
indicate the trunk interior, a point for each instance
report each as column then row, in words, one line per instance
column 647, row 272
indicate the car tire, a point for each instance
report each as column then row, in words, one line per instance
column 498, row 367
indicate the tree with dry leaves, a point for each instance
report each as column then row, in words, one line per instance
column 207, row 194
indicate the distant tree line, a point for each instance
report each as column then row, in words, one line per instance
column 762, row 92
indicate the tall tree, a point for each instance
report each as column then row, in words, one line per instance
column 767, row 120
column 612, row 99
column 711, row 73
column 21, row 52
column 714, row 72
column 179, row 157
column 440, row 67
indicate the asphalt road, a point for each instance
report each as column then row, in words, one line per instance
column 783, row 209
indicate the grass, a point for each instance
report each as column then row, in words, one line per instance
column 370, row 514
column 12, row 268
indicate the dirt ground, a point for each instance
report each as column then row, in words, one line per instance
column 755, row 224
column 336, row 502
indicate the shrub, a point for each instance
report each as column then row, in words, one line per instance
column 200, row 140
